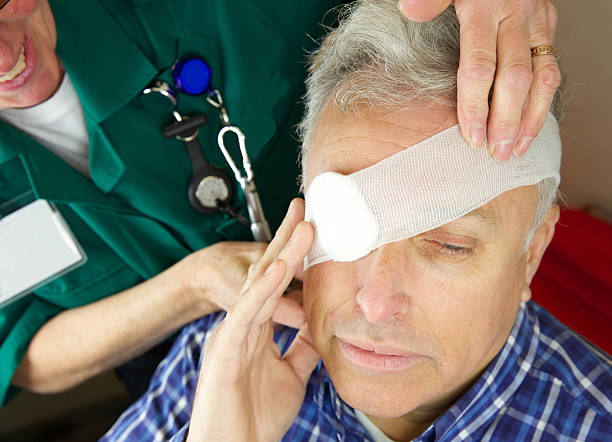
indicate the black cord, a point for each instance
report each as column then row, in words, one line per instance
column 225, row 207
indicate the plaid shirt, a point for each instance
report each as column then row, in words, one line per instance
column 545, row 384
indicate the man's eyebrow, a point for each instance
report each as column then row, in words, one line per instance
column 483, row 214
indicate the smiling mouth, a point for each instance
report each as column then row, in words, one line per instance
column 17, row 69
column 378, row 358
column 23, row 70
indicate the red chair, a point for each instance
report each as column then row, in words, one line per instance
column 574, row 281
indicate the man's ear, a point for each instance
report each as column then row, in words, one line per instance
column 540, row 241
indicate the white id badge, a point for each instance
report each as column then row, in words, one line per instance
column 36, row 246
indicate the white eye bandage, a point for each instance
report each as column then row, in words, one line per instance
column 418, row 189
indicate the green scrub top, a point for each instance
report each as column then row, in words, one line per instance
column 133, row 217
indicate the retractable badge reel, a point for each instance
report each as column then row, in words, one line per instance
column 210, row 188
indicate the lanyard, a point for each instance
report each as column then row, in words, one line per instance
column 210, row 188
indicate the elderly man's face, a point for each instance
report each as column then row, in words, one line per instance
column 30, row 70
column 411, row 325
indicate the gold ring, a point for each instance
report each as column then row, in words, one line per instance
column 543, row 50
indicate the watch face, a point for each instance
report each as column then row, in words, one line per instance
column 211, row 189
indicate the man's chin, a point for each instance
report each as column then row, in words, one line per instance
column 376, row 395
column 383, row 404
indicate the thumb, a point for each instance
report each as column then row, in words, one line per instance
column 302, row 356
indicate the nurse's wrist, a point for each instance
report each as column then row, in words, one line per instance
column 202, row 306
column 211, row 277
column 189, row 283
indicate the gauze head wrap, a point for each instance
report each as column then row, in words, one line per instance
column 417, row 189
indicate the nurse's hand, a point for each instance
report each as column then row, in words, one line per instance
column 215, row 274
column 247, row 391
column 496, row 36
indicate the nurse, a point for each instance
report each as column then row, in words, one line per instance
column 76, row 134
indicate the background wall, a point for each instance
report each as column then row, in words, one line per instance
column 584, row 39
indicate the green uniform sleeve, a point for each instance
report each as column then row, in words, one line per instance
column 18, row 323
column 21, row 320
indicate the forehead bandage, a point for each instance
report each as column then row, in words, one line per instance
column 418, row 189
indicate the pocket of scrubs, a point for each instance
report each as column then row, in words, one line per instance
column 36, row 246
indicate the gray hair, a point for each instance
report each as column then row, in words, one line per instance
column 380, row 61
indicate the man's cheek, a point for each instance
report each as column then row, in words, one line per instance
column 309, row 292
column 313, row 300
column 473, row 282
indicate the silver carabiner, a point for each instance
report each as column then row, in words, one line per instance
column 246, row 162
column 259, row 225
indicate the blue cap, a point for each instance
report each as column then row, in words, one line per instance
column 192, row 75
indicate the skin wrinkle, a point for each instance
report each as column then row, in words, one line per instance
column 455, row 311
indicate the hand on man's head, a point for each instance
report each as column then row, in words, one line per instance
column 496, row 37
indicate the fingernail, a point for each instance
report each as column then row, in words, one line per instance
column 503, row 150
column 522, row 146
column 477, row 135
column 270, row 268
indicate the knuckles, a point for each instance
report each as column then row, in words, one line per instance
column 516, row 77
column 480, row 67
column 550, row 76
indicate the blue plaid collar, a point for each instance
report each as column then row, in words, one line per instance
column 338, row 413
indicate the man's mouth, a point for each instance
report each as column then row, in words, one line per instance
column 17, row 69
column 377, row 357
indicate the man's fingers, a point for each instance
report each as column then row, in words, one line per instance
column 512, row 83
column 258, row 303
column 546, row 76
column 294, row 215
column 243, row 317
column 299, row 273
column 289, row 313
column 296, row 249
column 248, row 320
column 302, row 356
column 419, row 10
column 477, row 63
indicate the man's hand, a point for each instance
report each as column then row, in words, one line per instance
column 247, row 391
column 496, row 37
column 214, row 275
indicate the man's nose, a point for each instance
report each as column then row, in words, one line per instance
column 381, row 288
